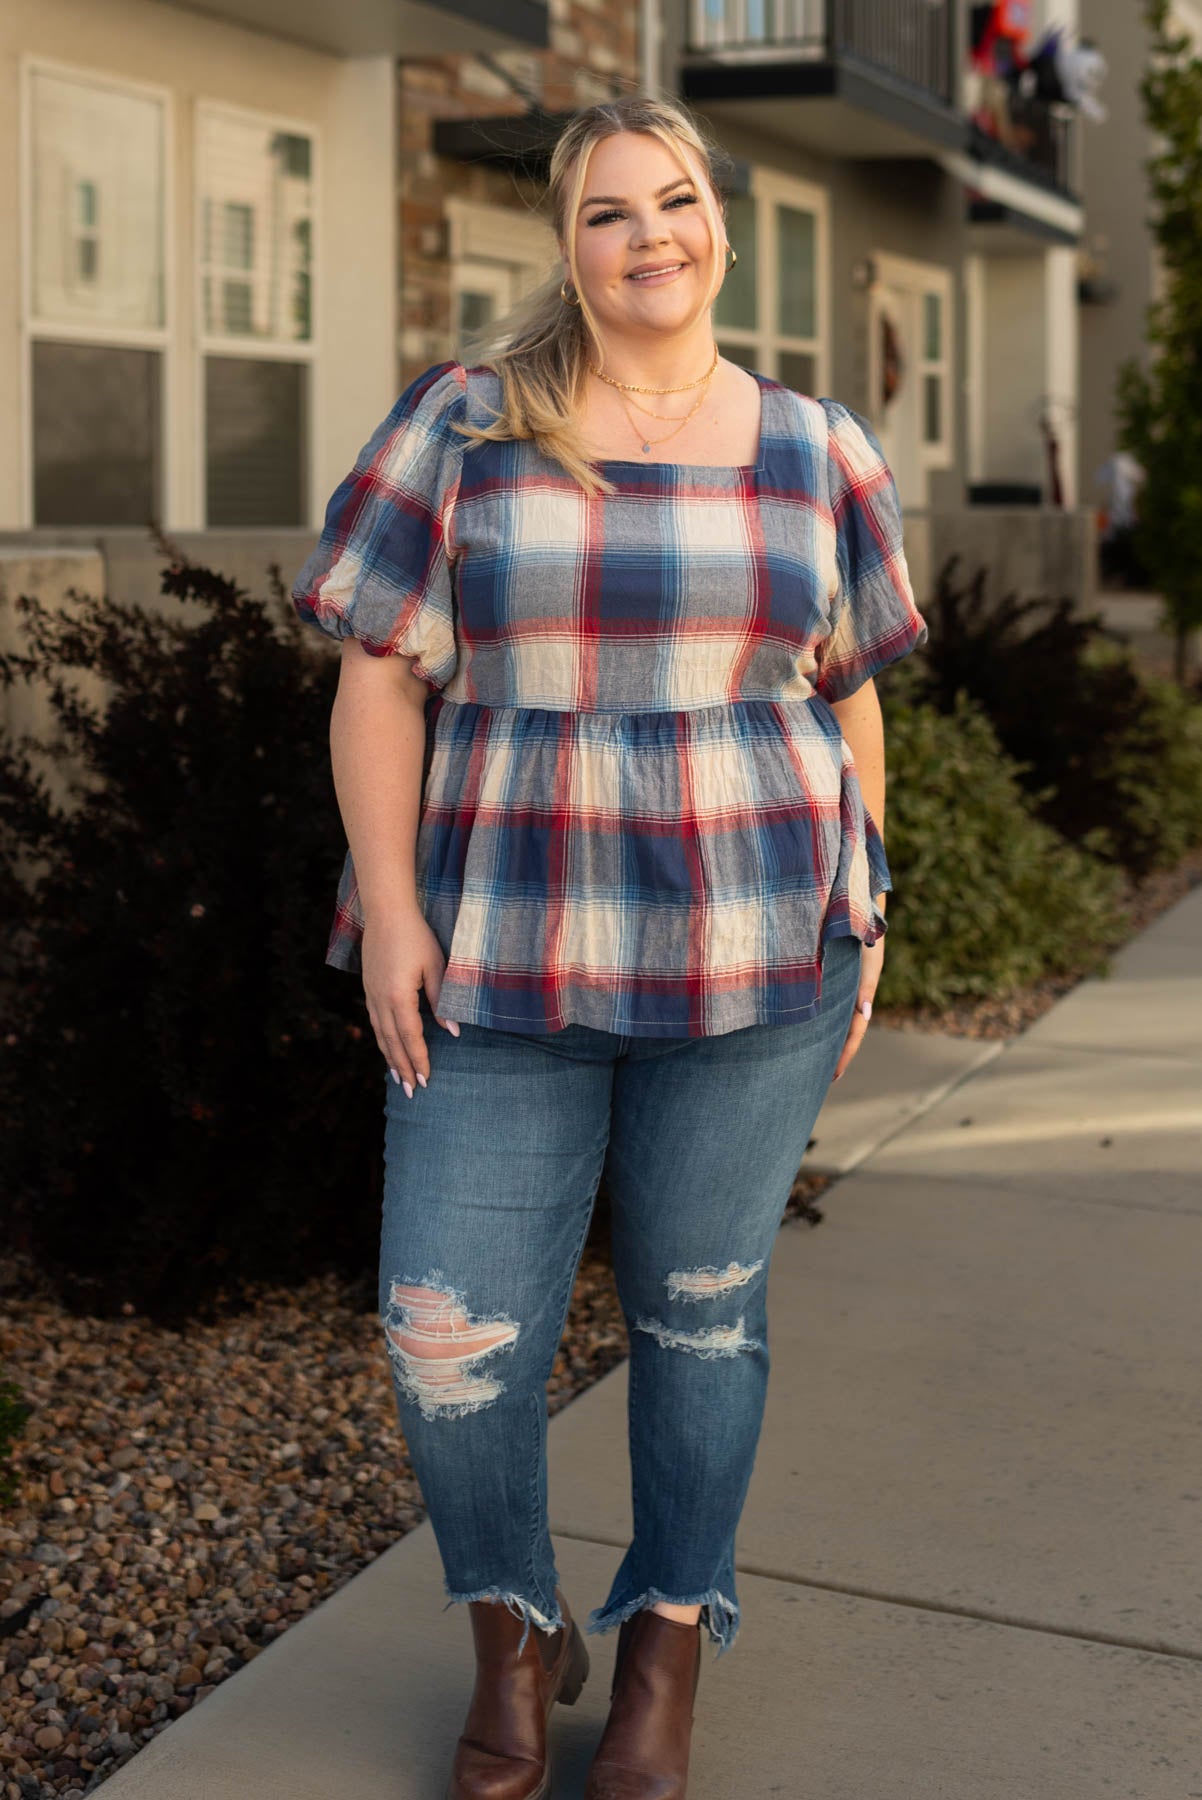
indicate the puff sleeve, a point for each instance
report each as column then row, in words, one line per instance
column 874, row 619
column 381, row 569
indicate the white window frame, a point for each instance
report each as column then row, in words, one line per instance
column 256, row 349
column 33, row 329
column 769, row 188
column 923, row 278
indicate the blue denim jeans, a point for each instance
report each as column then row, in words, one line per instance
column 490, row 1177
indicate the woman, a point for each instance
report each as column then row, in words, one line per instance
column 614, row 892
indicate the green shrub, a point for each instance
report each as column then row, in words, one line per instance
column 988, row 897
column 13, row 1415
column 1155, row 770
column 1111, row 757
column 190, row 1098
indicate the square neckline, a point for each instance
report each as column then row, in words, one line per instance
column 766, row 383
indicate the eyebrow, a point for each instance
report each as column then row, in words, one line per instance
column 619, row 199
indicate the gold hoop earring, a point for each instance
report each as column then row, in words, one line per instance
column 573, row 300
column 734, row 257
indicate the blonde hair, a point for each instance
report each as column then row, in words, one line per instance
column 540, row 347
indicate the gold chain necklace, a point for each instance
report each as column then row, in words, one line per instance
column 646, row 444
column 668, row 418
column 630, row 387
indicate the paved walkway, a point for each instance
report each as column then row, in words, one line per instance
column 969, row 1563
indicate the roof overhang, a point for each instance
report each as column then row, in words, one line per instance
column 388, row 27
column 520, row 141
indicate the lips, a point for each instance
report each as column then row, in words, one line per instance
column 658, row 269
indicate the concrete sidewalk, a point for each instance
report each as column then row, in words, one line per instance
column 969, row 1562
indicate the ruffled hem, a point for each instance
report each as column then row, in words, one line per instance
column 631, row 924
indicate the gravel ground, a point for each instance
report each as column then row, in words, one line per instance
column 183, row 1498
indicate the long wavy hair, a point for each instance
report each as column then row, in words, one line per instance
column 540, row 347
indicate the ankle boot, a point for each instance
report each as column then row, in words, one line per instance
column 502, row 1750
column 644, row 1749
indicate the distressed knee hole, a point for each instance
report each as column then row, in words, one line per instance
column 714, row 1340
column 435, row 1346
column 707, row 1283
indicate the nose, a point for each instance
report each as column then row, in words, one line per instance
column 654, row 233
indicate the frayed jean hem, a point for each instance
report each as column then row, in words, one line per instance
column 522, row 1609
column 720, row 1615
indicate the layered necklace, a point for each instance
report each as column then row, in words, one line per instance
column 630, row 387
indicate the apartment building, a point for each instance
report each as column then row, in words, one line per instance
column 239, row 229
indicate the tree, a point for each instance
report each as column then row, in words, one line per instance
column 1160, row 409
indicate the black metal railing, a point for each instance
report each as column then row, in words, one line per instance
column 912, row 40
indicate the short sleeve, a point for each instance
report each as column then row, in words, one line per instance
column 381, row 569
column 874, row 619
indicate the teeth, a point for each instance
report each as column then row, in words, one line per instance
column 667, row 270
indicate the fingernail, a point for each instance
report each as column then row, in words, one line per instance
column 408, row 1090
column 452, row 1028
column 866, row 1009
column 395, row 1076
column 839, row 1076
column 421, row 1079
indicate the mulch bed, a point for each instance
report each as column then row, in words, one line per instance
column 185, row 1497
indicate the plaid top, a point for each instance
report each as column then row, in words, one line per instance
column 638, row 810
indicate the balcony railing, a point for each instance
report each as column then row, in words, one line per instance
column 911, row 40
column 1048, row 153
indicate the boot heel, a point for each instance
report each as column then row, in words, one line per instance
column 577, row 1669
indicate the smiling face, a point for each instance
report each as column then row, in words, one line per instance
column 644, row 248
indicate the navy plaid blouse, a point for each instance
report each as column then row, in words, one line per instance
column 638, row 810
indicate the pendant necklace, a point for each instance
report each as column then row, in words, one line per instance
column 628, row 387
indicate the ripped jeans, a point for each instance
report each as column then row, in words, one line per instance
column 490, row 1178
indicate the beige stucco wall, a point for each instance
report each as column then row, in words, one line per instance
column 348, row 103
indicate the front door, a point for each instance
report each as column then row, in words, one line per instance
column 895, row 408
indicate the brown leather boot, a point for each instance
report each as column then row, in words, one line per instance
column 502, row 1750
column 644, row 1750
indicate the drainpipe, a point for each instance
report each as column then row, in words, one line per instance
column 650, row 31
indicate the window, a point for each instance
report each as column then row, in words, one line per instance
column 933, row 368
column 96, row 413
column 255, row 422
column 87, row 232
column 769, row 314
column 95, row 301
column 256, row 202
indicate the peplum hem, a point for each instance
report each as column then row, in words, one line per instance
column 645, row 874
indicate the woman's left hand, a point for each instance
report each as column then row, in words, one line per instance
column 872, row 958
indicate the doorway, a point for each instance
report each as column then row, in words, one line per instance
column 909, row 361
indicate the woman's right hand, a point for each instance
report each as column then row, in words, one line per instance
column 401, row 955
